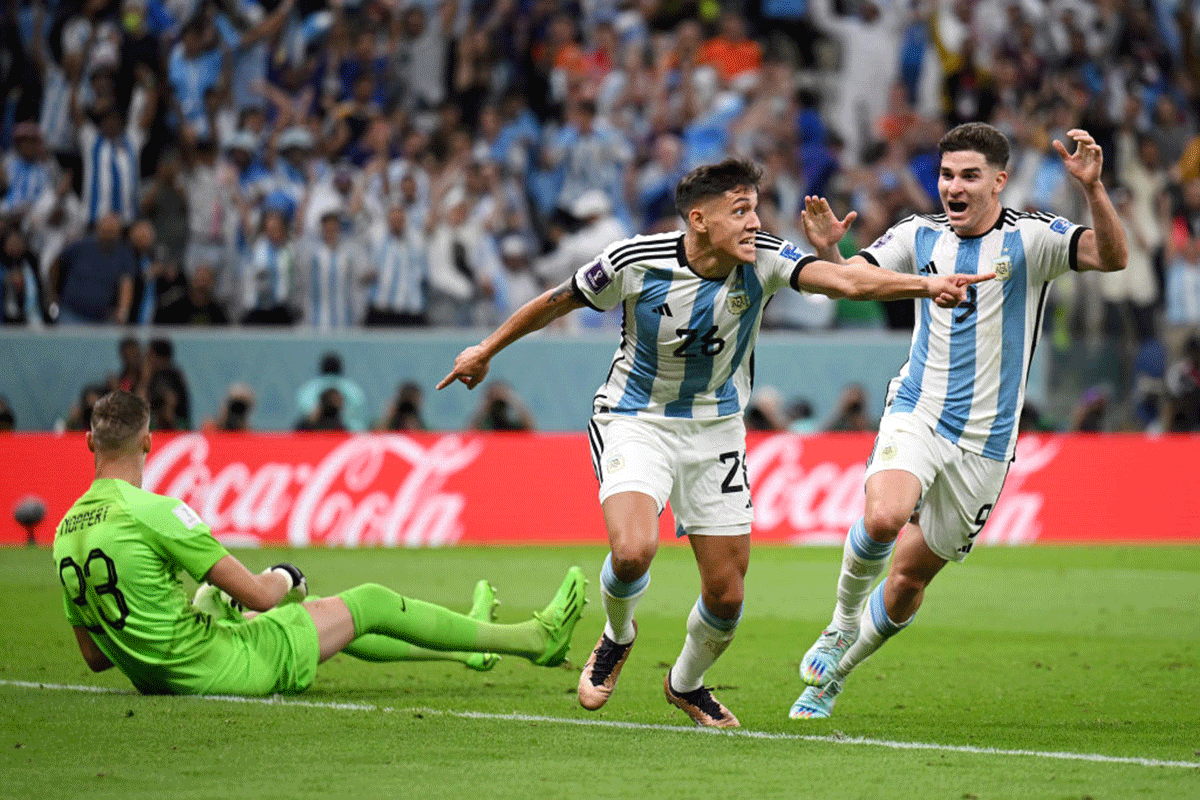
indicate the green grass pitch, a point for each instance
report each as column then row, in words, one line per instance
column 1040, row 672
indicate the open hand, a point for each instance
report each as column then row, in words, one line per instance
column 1087, row 160
column 822, row 227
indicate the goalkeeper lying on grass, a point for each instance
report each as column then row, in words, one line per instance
column 119, row 551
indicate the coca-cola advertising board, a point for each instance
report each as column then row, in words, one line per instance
column 392, row 490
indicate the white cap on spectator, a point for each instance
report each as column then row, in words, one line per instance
column 593, row 203
column 513, row 246
column 295, row 137
column 242, row 140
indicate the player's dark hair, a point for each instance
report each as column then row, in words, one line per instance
column 979, row 137
column 714, row 180
column 117, row 418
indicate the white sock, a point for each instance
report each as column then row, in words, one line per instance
column 707, row 637
column 863, row 559
column 875, row 629
column 620, row 600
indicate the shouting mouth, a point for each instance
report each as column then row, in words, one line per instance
column 956, row 206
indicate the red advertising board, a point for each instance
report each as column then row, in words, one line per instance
column 443, row 489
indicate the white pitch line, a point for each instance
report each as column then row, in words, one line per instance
column 277, row 700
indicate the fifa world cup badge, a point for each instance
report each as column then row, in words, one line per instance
column 1003, row 268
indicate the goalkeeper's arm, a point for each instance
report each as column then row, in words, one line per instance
column 258, row 592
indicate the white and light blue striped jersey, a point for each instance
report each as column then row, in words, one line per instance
column 687, row 342
column 268, row 275
column 967, row 367
column 111, row 171
column 26, row 180
column 400, row 266
column 332, row 274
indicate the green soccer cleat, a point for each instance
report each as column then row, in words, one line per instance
column 217, row 604
column 818, row 664
column 483, row 608
column 816, row 702
column 559, row 618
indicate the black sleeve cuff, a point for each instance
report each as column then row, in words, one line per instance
column 801, row 264
column 1073, row 248
column 870, row 258
column 581, row 297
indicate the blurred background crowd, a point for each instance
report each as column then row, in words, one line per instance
column 345, row 163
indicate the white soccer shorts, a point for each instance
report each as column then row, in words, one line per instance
column 697, row 465
column 958, row 489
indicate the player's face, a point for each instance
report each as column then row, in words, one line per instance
column 731, row 223
column 970, row 191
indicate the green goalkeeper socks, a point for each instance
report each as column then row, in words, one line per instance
column 378, row 610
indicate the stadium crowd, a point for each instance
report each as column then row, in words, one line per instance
column 344, row 163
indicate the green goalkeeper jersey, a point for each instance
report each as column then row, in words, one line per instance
column 119, row 552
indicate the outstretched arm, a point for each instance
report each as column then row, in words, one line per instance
column 859, row 280
column 1103, row 247
column 471, row 366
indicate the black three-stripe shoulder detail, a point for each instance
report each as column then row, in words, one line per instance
column 767, row 241
column 644, row 253
column 643, row 242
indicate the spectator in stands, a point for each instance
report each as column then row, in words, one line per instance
column 396, row 277
column 516, row 283
column 405, row 412
column 765, row 410
column 1183, row 387
column 56, row 220
column 268, row 274
column 165, row 203
column 166, row 387
column 189, row 302
column 235, row 410
column 80, row 416
column 92, row 281
column 851, row 414
column 501, row 409
column 8, row 420
column 21, row 293
column 111, row 150
column 1091, row 412
column 209, row 205
column 351, row 402
column 462, row 265
column 326, row 414
column 590, row 154
column 734, row 55
column 131, row 375
column 332, row 270
column 24, row 172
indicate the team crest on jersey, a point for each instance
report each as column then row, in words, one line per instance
column 596, row 277
column 737, row 301
column 614, row 464
column 1060, row 225
column 888, row 453
column 1003, row 268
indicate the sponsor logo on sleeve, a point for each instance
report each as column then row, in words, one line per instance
column 189, row 518
column 790, row 252
column 596, row 277
column 1060, row 225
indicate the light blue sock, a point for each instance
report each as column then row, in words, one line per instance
column 863, row 560
column 875, row 629
column 620, row 600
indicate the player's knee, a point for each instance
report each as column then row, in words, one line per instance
column 362, row 600
column 883, row 521
column 630, row 560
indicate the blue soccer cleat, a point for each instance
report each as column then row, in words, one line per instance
column 818, row 664
column 816, row 702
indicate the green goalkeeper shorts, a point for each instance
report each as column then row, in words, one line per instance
column 275, row 652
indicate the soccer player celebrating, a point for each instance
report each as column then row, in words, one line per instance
column 949, row 428
column 667, row 422
column 119, row 551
